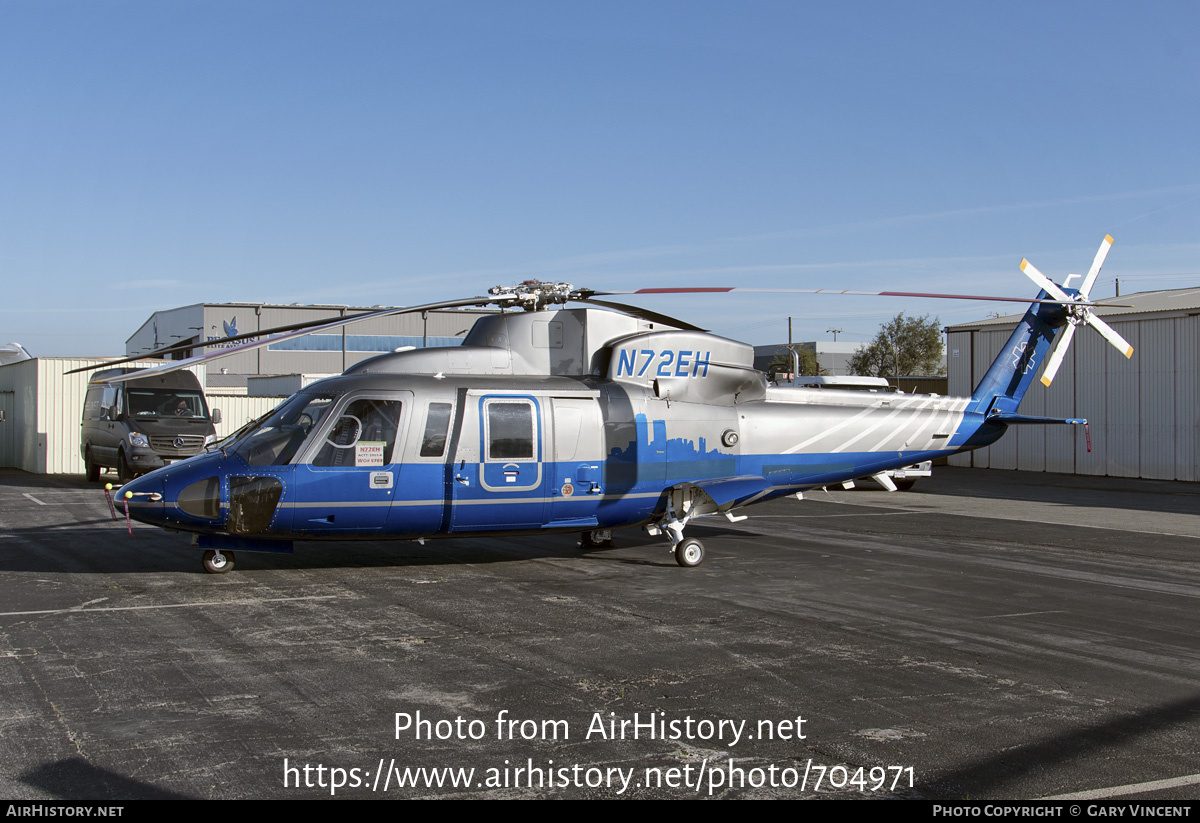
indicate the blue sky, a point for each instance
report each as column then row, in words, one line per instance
column 158, row 154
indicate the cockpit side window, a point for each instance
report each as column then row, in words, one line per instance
column 364, row 434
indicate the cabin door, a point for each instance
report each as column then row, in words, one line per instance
column 347, row 477
column 499, row 477
column 577, row 490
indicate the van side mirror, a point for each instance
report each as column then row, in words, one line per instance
column 216, row 417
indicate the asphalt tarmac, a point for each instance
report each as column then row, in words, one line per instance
column 987, row 635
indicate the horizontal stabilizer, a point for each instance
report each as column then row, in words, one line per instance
column 1025, row 419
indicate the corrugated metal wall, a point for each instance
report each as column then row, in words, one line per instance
column 1143, row 413
column 1091, row 393
column 1187, row 398
column 21, row 380
column 238, row 409
column 7, row 429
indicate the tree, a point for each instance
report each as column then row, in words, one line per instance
column 903, row 346
column 782, row 362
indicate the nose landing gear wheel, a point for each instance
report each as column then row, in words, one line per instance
column 689, row 553
column 217, row 562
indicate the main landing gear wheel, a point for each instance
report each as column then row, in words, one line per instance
column 596, row 539
column 689, row 553
column 217, row 562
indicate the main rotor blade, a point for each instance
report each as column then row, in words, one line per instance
column 1094, row 271
column 644, row 314
column 1060, row 299
column 175, row 365
column 1110, row 334
column 307, row 324
column 1056, row 356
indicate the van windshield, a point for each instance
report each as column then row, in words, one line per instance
column 182, row 403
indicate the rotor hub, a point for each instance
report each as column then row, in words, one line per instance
column 532, row 295
column 1076, row 313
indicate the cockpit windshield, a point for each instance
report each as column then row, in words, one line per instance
column 275, row 441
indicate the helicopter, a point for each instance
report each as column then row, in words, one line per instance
column 558, row 420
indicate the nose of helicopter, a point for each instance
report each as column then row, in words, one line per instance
column 145, row 499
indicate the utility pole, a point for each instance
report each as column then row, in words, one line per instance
column 792, row 354
column 835, row 333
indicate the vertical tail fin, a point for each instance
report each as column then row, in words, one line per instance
column 1011, row 373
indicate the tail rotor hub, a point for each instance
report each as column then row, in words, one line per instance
column 1078, row 308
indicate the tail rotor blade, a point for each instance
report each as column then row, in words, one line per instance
column 1094, row 271
column 1056, row 356
column 1110, row 334
column 1051, row 288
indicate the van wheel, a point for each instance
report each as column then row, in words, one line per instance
column 124, row 473
column 93, row 469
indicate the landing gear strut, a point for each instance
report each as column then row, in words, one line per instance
column 681, row 507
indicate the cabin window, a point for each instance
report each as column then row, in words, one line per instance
column 510, row 430
column 364, row 434
column 437, row 424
